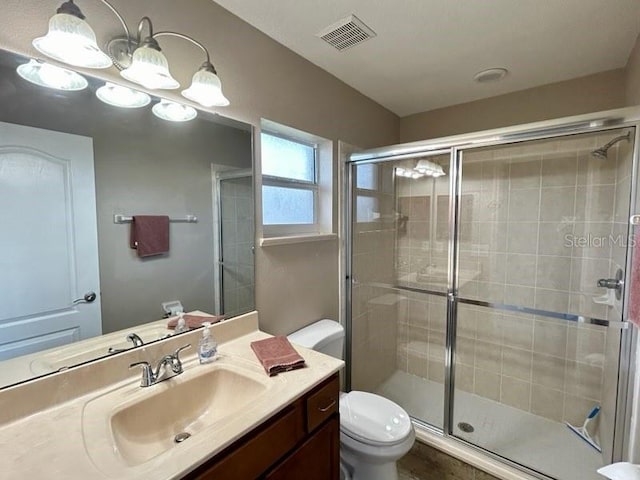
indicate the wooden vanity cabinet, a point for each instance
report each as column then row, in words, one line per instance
column 300, row 442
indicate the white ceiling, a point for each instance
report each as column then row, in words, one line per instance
column 427, row 51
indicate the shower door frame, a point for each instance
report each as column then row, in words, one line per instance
column 456, row 146
column 219, row 177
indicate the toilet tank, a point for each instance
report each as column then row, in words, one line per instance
column 325, row 336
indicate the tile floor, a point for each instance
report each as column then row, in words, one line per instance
column 427, row 463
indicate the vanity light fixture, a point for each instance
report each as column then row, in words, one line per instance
column 119, row 96
column 174, row 112
column 51, row 76
column 140, row 60
column 71, row 40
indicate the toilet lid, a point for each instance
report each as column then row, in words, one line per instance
column 373, row 419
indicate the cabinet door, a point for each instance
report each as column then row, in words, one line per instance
column 316, row 459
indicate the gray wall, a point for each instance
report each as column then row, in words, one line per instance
column 143, row 165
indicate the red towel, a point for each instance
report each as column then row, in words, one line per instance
column 277, row 355
column 150, row 234
column 195, row 321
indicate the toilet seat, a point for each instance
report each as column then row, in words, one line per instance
column 373, row 420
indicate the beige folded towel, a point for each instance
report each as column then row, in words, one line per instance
column 194, row 321
column 277, row 355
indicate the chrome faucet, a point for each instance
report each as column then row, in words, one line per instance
column 133, row 338
column 168, row 366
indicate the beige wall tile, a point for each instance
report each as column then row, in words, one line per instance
column 559, row 169
column 583, row 380
column 522, row 237
column 524, row 205
column 593, row 203
column 553, row 236
column 586, row 345
column 518, row 332
column 550, row 337
column 548, row 371
column 521, row 270
column 525, row 172
column 516, row 393
column 593, row 171
column 488, row 356
column 557, row 203
column 490, row 325
column 547, row 403
column 517, row 363
column 487, row 384
column 464, row 377
column 553, row 272
column 436, row 371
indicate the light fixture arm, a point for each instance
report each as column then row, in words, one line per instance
column 117, row 14
column 207, row 63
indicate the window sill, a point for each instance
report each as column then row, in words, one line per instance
column 314, row 237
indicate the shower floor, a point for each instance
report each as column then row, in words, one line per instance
column 541, row 444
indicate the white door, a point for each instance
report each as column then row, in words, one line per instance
column 48, row 240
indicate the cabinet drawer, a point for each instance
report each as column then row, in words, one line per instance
column 323, row 403
column 255, row 455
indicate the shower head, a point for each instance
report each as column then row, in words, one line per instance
column 601, row 152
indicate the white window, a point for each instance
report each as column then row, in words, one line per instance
column 296, row 182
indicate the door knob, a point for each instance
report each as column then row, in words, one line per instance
column 88, row 298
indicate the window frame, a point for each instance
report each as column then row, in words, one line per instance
column 285, row 229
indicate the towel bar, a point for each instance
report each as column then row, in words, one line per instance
column 186, row 219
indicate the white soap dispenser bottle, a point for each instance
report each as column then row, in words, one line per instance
column 207, row 348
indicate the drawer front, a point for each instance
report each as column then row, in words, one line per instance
column 323, row 403
column 252, row 458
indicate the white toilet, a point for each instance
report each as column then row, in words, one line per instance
column 374, row 431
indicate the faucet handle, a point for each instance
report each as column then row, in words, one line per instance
column 147, row 373
column 180, row 349
column 177, row 363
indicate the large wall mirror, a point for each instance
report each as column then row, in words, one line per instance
column 70, row 167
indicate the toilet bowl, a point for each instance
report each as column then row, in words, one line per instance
column 374, row 431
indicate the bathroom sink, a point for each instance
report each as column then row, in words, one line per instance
column 132, row 425
column 80, row 352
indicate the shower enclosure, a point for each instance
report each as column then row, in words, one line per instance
column 235, row 281
column 485, row 292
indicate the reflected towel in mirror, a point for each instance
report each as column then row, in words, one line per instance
column 150, row 235
column 195, row 321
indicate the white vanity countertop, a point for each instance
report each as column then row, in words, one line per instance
column 51, row 443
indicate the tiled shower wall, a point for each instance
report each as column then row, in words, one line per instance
column 540, row 223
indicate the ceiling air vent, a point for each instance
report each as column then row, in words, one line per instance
column 346, row 33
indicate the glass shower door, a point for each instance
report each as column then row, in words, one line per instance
column 537, row 340
column 236, row 237
column 400, row 240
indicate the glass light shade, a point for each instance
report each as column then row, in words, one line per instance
column 71, row 40
column 50, row 76
column 174, row 112
column 120, row 96
column 206, row 89
column 150, row 68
